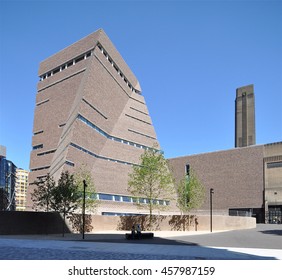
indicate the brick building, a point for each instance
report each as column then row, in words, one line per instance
column 246, row 181
column 90, row 111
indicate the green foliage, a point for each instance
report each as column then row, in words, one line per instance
column 42, row 195
column 65, row 195
column 190, row 193
column 91, row 202
column 151, row 179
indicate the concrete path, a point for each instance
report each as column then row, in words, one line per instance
column 262, row 243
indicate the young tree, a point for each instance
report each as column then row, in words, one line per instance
column 190, row 193
column 151, row 180
column 91, row 202
column 65, row 195
column 42, row 195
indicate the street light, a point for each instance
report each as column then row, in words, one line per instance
column 211, row 193
column 83, row 209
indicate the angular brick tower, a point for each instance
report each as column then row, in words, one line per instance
column 89, row 110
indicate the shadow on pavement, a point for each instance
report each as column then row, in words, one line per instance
column 275, row 232
column 120, row 238
column 93, row 247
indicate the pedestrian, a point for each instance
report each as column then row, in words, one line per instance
column 133, row 232
column 138, row 229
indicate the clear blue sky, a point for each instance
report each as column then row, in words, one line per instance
column 189, row 57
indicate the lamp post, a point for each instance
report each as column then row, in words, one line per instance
column 211, row 193
column 83, row 209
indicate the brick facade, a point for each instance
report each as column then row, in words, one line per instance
column 235, row 175
column 89, row 110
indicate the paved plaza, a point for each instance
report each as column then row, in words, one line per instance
column 262, row 243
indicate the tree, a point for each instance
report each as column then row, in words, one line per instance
column 151, row 180
column 42, row 195
column 91, row 202
column 65, row 195
column 190, row 193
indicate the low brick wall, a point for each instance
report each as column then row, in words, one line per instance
column 52, row 223
column 30, row 223
column 175, row 223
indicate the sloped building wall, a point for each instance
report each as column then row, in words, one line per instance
column 90, row 111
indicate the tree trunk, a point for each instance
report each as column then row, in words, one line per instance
column 150, row 221
column 64, row 221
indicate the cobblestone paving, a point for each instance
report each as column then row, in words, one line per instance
column 12, row 253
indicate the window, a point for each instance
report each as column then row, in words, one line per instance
column 69, row 63
column 143, row 200
column 274, row 164
column 115, row 67
column 69, row 163
column 39, row 146
column 46, row 153
column 79, row 59
column 42, row 102
column 126, row 199
column 38, row 132
column 56, row 70
column 103, row 196
column 40, row 168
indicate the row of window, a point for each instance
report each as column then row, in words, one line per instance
column 97, row 156
column 83, row 57
column 129, row 199
column 117, row 69
column 47, row 167
column 119, row 214
column 65, row 65
column 105, row 134
column 40, row 168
